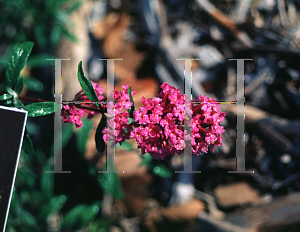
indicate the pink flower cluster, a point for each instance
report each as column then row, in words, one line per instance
column 119, row 117
column 72, row 114
column 159, row 129
column 159, row 125
column 205, row 124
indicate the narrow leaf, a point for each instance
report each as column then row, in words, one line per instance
column 74, row 7
column 100, row 144
column 19, row 85
column 162, row 170
column 16, row 64
column 27, row 145
column 130, row 111
column 50, row 208
column 47, row 181
column 40, row 109
column 86, row 85
column 72, row 217
column 39, row 60
column 79, row 216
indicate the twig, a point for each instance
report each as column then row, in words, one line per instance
column 80, row 106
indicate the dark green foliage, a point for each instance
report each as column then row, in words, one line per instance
column 43, row 21
column 34, row 201
column 111, row 184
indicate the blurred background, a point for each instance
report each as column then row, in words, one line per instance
column 149, row 35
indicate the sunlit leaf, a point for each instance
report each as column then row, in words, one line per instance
column 16, row 64
column 40, row 109
column 5, row 97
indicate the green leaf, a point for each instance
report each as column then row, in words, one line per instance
column 83, row 135
column 67, row 132
column 25, row 178
column 111, row 184
column 16, row 64
column 12, row 92
column 62, row 18
column 33, row 84
column 40, row 109
column 3, row 61
column 70, row 36
column 50, row 208
column 27, row 218
column 79, row 216
column 20, row 85
column 86, row 85
column 27, row 145
column 40, row 31
column 14, row 204
column 100, row 144
column 37, row 61
column 163, row 171
column 74, row 7
column 90, row 213
column 14, row 102
column 56, row 34
column 101, row 225
column 47, row 181
column 130, row 120
column 130, row 111
column 146, row 160
column 5, row 97
column 72, row 217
